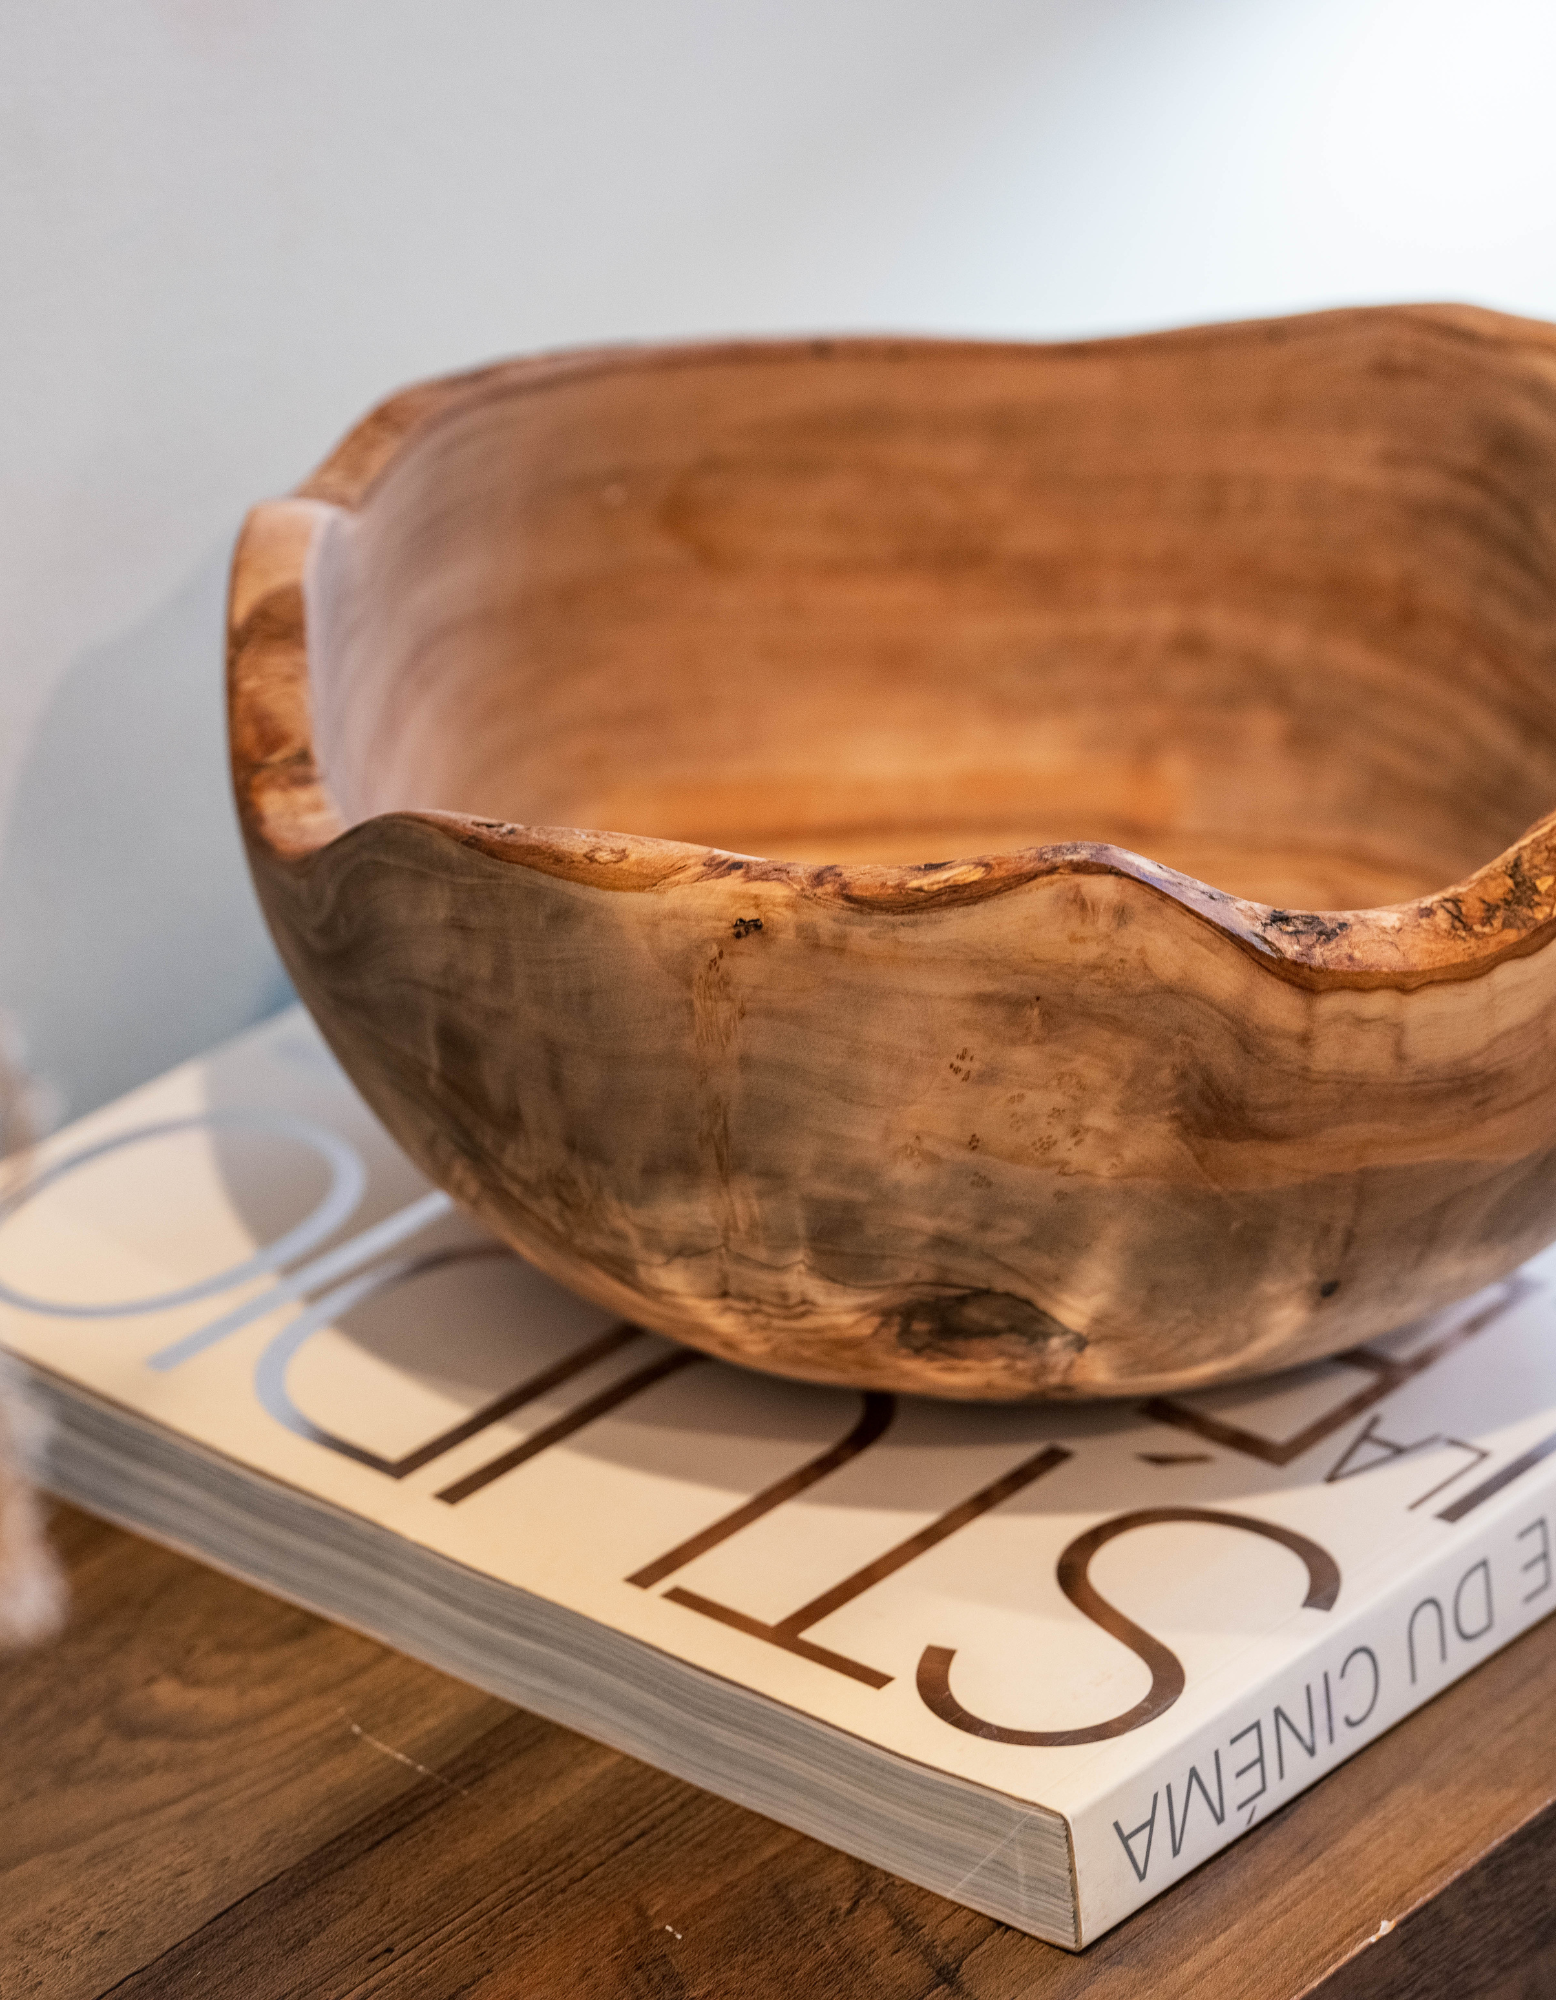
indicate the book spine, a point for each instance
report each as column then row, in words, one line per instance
column 1494, row 1577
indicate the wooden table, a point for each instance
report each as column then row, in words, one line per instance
column 203, row 1791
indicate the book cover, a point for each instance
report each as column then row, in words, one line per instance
column 1094, row 1644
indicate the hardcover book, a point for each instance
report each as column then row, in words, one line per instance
column 1044, row 1659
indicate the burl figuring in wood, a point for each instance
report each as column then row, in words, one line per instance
column 921, row 864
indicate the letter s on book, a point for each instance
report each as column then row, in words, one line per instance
column 1167, row 1679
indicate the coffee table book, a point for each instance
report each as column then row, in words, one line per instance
column 1042, row 1659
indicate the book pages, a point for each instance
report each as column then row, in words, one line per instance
column 1159, row 1620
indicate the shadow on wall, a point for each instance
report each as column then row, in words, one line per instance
column 129, row 934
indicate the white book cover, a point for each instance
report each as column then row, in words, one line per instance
column 1159, row 1621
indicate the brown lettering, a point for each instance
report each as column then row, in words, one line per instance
column 564, row 1427
column 1388, row 1375
column 1525, row 1462
column 1167, row 1678
column 874, row 1420
column 789, row 1632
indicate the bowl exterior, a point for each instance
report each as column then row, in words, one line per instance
column 1063, row 1139
column 1057, row 1123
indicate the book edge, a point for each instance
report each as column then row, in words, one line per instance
column 1097, row 1912
column 116, row 1463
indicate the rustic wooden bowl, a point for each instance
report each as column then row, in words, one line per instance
column 952, row 1089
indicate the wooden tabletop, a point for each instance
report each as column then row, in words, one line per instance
column 204, row 1791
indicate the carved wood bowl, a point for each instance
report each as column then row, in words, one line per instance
column 921, row 864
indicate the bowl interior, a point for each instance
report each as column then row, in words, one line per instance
column 1274, row 605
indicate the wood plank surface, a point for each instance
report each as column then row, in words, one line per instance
column 187, row 1740
column 207, row 1792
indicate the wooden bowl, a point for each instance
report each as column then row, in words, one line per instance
column 873, row 1049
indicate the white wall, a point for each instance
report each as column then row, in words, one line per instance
column 227, row 228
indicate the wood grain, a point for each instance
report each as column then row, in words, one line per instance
column 184, row 1815
column 704, row 795
column 183, row 1742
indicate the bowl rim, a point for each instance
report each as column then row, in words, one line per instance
column 1504, row 909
